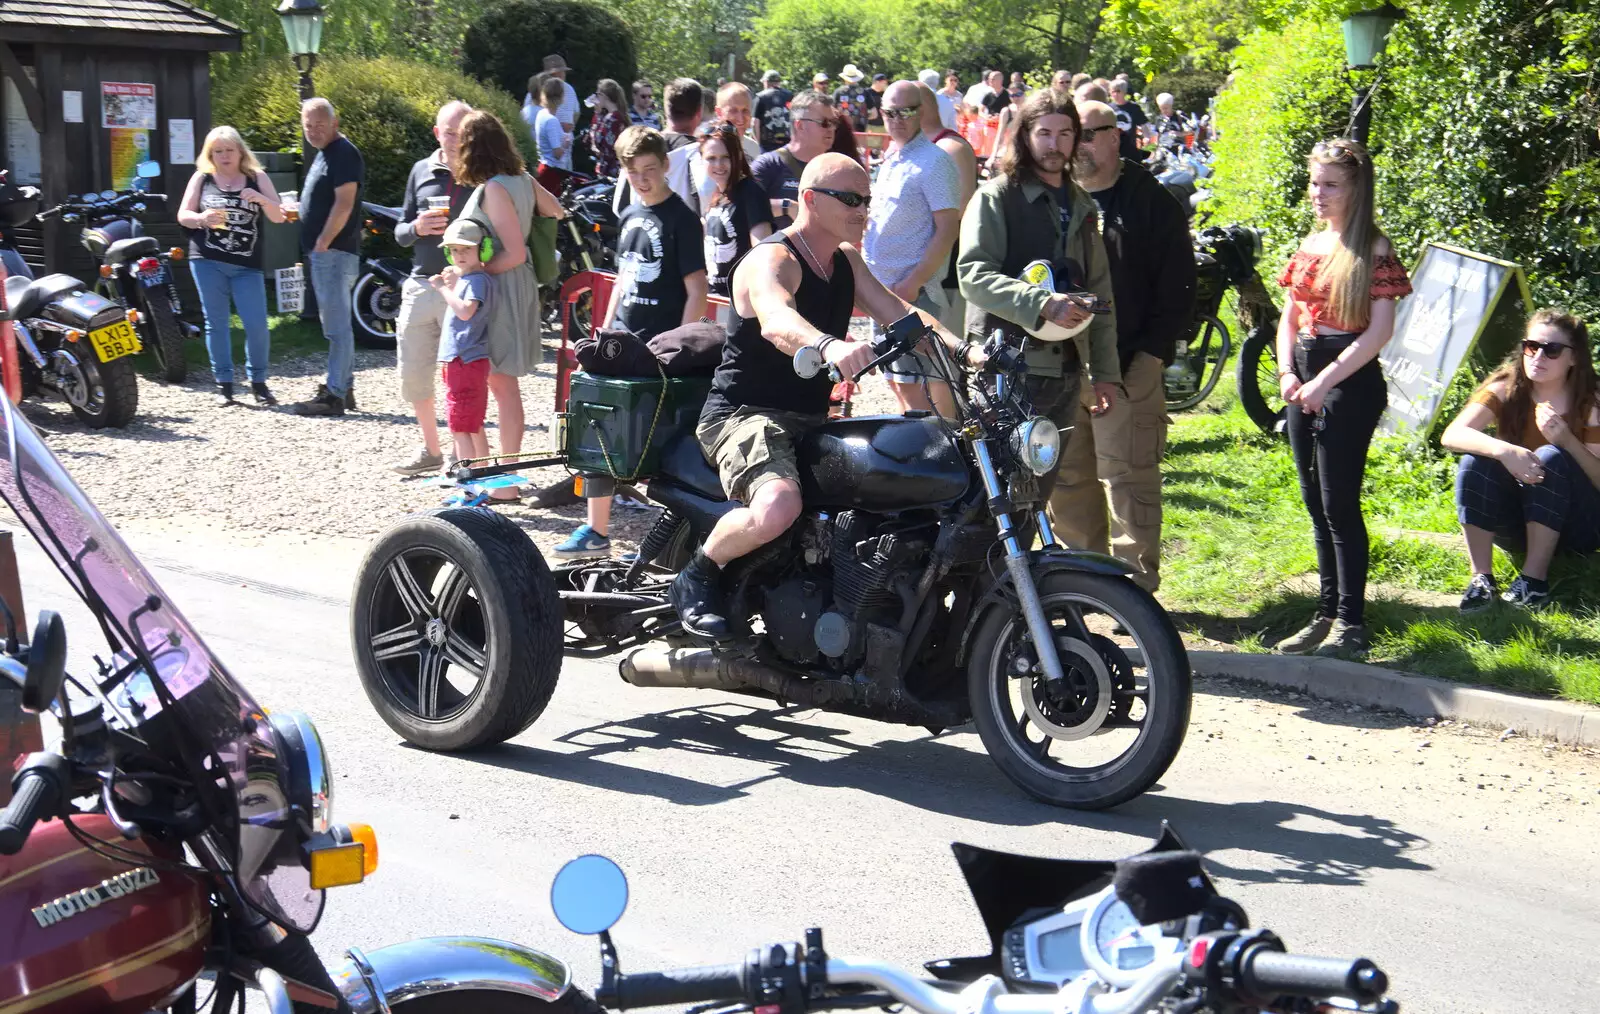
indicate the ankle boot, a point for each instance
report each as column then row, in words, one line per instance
column 696, row 594
column 225, row 394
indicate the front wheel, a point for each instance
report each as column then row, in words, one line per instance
column 457, row 629
column 374, row 311
column 1207, row 356
column 1116, row 721
column 498, row 1001
column 1259, row 392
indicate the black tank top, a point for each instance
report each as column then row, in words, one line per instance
column 755, row 374
column 240, row 240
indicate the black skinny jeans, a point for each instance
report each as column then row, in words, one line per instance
column 1332, row 464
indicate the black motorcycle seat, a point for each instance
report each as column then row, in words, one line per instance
column 124, row 250
column 685, row 463
column 24, row 298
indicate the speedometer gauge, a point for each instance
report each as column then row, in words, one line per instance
column 1116, row 946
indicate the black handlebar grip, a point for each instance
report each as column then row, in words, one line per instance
column 704, row 984
column 35, row 792
column 1273, row 973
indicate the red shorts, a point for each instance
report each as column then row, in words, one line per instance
column 466, row 394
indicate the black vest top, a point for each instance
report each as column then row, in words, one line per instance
column 755, row 374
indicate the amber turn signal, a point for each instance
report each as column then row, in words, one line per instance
column 73, row 336
column 105, row 271
column 337, row 865
column 133, row 316
column 368, row 838
column 176, row 253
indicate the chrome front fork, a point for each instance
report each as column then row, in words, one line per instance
column 1044, row 641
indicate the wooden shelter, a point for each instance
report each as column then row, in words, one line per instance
column 91, row 89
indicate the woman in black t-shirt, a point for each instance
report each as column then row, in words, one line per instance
column 738, row 214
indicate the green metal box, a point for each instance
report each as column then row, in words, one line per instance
column 612, row 426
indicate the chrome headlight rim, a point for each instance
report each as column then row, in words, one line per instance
column 310, row 788
column 1037, row 444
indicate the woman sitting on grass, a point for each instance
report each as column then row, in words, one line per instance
column 1533, row 484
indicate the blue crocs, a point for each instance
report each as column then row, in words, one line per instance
column 584, row 544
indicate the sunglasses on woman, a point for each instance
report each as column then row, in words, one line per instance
column 848, row 198
column 1551, row 350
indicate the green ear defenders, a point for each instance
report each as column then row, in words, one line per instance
column 485, row 251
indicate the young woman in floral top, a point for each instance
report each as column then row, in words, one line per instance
column 1343, row 283
column 607, row 126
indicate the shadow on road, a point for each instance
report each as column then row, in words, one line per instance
column 1285, row 842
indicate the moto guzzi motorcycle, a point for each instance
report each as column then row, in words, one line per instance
column 178, row 829
column 909, row 591
column 1147, row 933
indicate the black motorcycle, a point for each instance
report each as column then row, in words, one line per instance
column 586, row 240
column 375, row 301
column 909, row 591
column 72, row 340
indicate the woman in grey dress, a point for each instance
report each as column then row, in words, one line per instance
column 504, row 203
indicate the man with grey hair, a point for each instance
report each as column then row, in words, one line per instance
column 330, row 236
column 433, row 200
column 811, row 126
column 1132, row 123
column 1166, row 120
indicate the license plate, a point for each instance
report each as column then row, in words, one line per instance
column 151, row 279
column 115, row 341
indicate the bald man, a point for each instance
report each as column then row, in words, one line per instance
column 795, row 289
column 915, row 218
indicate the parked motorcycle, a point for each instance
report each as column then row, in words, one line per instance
column 1148, row 933
column 586, row 240
column 71, row 340
column 179, row 829
column 908, row 591
column 375, row 301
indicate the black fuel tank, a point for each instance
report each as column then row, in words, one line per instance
column 881, row 463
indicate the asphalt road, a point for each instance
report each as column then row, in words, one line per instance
column 1463, row 865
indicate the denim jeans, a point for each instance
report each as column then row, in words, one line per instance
column 333, row 276
column 219, row 283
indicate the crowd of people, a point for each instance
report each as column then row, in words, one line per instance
column 771, row 202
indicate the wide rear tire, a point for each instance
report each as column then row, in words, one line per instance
column 457, row 629
column 107, row 394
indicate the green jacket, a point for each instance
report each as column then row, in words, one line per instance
column 987, row 287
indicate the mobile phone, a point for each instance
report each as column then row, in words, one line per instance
column 1089, row 301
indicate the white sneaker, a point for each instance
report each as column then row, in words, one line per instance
column 419, row 463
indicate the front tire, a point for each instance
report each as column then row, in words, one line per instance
column 1259, row 392
column 1145, row 670
column 374, row 311
column 457, row 629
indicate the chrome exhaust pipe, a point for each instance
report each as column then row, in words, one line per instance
column 681, row 668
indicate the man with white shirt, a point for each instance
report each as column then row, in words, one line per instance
column 733, row 105
column 684, row 109
column 555, row 66
column 914, row 220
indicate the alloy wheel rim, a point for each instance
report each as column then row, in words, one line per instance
column 430, row 639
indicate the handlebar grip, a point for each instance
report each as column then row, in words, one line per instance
column 704, row 984
column 35, row 792
column 1272, row 973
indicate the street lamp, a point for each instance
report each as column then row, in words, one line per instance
column 1365, row 35
column 302, row 30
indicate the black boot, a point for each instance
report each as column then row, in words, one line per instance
column 263, row 394
column 697, row 596
column 225, row 395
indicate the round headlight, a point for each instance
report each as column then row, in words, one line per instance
column 1037, row 443
column 310, row 788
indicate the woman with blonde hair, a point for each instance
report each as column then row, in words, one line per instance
column 1343, row 283
column 222, row 208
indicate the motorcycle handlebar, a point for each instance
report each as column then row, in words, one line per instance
column 1265, row 973
column 679, row 986
column 37, row 791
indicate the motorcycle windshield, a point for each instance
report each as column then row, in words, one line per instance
column 211, row 718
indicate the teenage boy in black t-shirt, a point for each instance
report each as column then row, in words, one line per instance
column 661, row 284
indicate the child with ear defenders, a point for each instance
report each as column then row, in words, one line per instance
column 464, row 345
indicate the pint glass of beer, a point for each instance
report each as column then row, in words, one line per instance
column 291, row 206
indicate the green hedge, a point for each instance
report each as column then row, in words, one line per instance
column 1484, row 136
column 507, row 45
column 386, row 107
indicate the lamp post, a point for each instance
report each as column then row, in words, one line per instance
column 302, row 30
column 1365, row 35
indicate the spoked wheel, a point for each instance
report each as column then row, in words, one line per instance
column 457, row 629
column 374, row 311
column 1109, row 729
column 1259, row 392
column 1208, row 354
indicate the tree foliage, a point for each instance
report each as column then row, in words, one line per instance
column 506, row 45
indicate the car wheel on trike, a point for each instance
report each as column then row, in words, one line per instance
column 457, row 629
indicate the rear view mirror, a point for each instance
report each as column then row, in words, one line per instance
column 47, row 663
column 148, row 170
column 590, row 894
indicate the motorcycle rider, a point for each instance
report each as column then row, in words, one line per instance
column 795, row 289
column 1034, row 211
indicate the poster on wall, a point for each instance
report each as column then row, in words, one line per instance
column 22, row 154
column 128, row 149
column 129, row 105
column 71, row 107
column 180, row 142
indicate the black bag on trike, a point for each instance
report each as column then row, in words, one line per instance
column 921, row 585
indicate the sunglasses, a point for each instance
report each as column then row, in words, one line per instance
column 1088, row 133
column 1551, row 350
column 902, row 112
column 825, row 124
column 848, row 198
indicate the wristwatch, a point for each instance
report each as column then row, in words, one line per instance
column 783, row 209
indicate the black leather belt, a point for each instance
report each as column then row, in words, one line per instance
column 1314, row 342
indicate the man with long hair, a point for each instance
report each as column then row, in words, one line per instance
column 1034, row 211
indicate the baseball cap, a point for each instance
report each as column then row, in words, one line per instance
column 820, row 75
column 880, row 77
column 463, row 232
column 771, row 76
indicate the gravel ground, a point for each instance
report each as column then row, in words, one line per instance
column 186, row 464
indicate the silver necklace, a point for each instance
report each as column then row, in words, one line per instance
column 827, row 276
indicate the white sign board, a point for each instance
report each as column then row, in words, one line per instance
column 22, row 154
column 72, row 107
column 180, row 142
column 291, row 289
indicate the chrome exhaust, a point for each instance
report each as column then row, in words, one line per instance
column 682, row 668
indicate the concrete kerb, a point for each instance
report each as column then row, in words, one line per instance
column 1418, row 696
